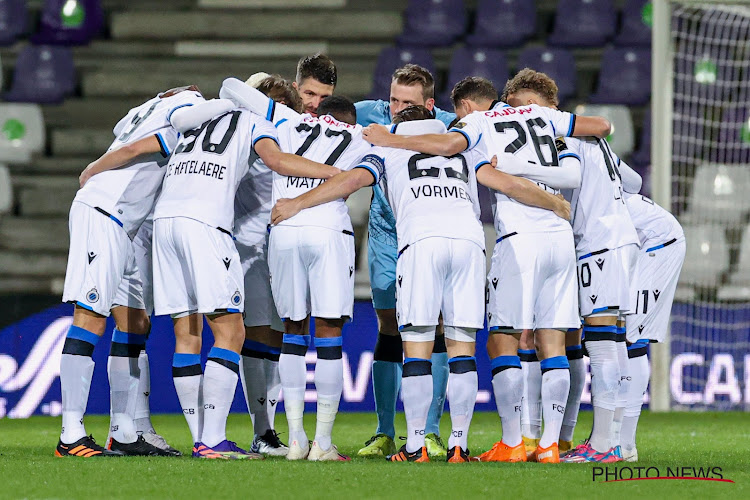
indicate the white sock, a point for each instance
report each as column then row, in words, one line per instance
column 329, row 383
column 219, row 384
column 507, row 384
column 187, row 376
column 605, row 377
column 531, row 402
column 462, row 396
column 577, row 381
column 123, row 377
column 293, row 373
column 416, row 393
column 622, row 392
column 555, row 387
column 142, row 409
column 640, row 372
column 76, row 371
column 273, row 387
column 253, row 378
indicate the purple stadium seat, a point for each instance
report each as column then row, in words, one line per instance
column 635, row 28
column 13, row 20
column 467, row 61
column 625, row 77
column 645, row 172
column 583, row 23
column 559, row 64
column 643, row 155
column 485, row 204
column 392, row 58
column 43, row 74
column 733, row 145
column 433, row 23
column 503, row 23
column 69, row 22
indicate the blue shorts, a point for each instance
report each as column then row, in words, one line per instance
column 382, row 262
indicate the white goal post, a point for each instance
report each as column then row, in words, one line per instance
column 700, row 126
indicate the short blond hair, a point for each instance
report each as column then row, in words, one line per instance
column 535, row 81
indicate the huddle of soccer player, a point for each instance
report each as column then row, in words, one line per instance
column 233, row 210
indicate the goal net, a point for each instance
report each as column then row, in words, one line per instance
column 706, row 92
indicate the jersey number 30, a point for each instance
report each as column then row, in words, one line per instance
column 188, row 141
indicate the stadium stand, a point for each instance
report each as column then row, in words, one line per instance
column 635, row 24
column 707, row 255
column 390, row 59
column 719, row 194
column 203, row 41
column 13, row 21
column 625, row 77
column 622, row 137
column 43, row 74
column 69, row 23
column 489, row 63
column 503, row 23
column 433, row 23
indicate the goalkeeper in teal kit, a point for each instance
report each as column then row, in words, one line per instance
column 411, row 85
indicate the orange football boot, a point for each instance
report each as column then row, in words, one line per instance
column 501, row 452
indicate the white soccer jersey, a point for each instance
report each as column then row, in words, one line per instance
column 325, row 140
column 655, row 225
column 128, row 193
column 207, row 166
column 527, row 132
column 600, row 217
column 252, row 204
column 430, row 195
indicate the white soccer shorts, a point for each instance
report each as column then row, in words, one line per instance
column 100, row 254
column 312, row 272
column 196, row 269
column 136, row 289
column 440, row 274
column 532, row 282
column 652, row 291
column 604, row 280
column 260, row 309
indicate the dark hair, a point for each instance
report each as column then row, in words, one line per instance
column 411, row 113
column 281, row 90
column 473, row 88
column 318, row 67
column 535, row 81
column 413, row 73
column 340, row 107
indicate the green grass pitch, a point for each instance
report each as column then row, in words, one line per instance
column 28, row 468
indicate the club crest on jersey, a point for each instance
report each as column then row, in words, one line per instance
column 593, row 298
column 227, row 260
column 91, row 256
column 236, row 298
column 92, row 296
column 600, row 263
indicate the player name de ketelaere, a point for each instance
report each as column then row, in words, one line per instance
column 206, row 168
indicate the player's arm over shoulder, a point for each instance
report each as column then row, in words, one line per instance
column 572, row 125
column 123, row 155
column 522, row 190
column 266, row 145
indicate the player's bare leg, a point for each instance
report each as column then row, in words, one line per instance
column 550, row 344
column 329, row 384
column 574, row 353
column 293, row 374
column 387, row 365
column 507, row 384
column 462, row 389
column 531, row 402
